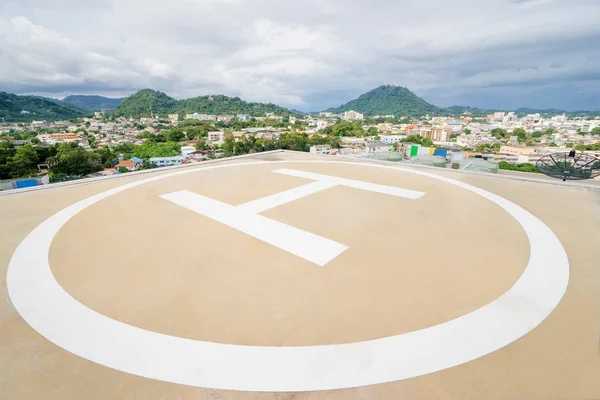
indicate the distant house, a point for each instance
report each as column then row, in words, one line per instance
column 187, row 150
column 320, row 149
column 166, row 161
column 130, row 165
column 197, row 154
column 216, row 136
column 376, row 147
column 136, row 160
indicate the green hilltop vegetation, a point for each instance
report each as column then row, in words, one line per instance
column 147, row 101
column 15, row 108
column 389, row 100
column 92, row 103
column 399, row 101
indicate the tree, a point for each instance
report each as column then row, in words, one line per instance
column 412, row 139
column 499, row 133
column 595, row 131
column 467, row 131
column 524, row 167
column 372, row 131
column 427, row 142
column 123, row 170
column 521, row 134
column 149, row 165
column 74, row 160
column 201, row 144
column 24, row 162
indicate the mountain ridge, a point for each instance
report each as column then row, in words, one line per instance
column 92, row 103
column 388, row 100
column 17, row 108
column 147, row 101
column 400, row 101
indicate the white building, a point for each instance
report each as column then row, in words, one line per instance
column 390, row 139
column 353, row 116
column 187, row 150
column 201, row 117
column 216, row 136
column 322, row 124
column 166, row 161
column 499, row 116
column 320, row 149
column 243, row 117
column 510, row 117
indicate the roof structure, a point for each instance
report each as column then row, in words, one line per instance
column 289, row 272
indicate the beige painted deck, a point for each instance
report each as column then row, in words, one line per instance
column 411, row 264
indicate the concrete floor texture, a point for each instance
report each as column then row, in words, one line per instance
column 285, row 275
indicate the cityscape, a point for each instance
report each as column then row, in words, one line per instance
column 108, row 142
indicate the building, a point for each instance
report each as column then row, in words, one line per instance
column 224, row 118
column 243, row 117
column 435, row 133
column 390, row 139
column 499, row 116
column 130, row 165
column 322, row 124
column 173, row 117
column 353, row 116
column 63, row 136
column 518, row 151
column 376, row 147
column 510, row 117
column 216, row 136
column 587, row 127
column 326, row 114
column 320, row 149
column 201, row 117
column 187, row 150
column 166, row 161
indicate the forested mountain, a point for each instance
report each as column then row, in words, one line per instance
column 147, row 101
column 92, row 103
column 399, row 101
column 389, row 100
column 15, row 108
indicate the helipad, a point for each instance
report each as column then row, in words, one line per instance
column 284, row 272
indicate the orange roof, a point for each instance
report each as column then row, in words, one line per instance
column 126, row 163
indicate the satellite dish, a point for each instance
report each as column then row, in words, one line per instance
column 569, row 165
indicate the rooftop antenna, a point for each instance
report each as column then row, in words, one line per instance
column 569, row 165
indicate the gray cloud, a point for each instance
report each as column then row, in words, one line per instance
column 308, row 54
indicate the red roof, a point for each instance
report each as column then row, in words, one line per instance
column 126, row 163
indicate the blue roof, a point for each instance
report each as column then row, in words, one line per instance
column 136, row 160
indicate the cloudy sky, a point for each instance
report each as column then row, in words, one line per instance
column 307, row 54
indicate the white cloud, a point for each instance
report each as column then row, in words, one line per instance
column 308, row 54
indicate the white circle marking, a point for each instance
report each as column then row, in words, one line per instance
column 52, row 312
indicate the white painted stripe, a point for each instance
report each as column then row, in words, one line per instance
column 372, row 187
column 311, row 247
column 266, row 203
column 54, row 314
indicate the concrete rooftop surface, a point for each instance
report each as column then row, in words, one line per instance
column 284, row 275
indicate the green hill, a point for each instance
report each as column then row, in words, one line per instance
column 389, row 100
column 92, row 103
column 147, row 101
column 15, row 108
